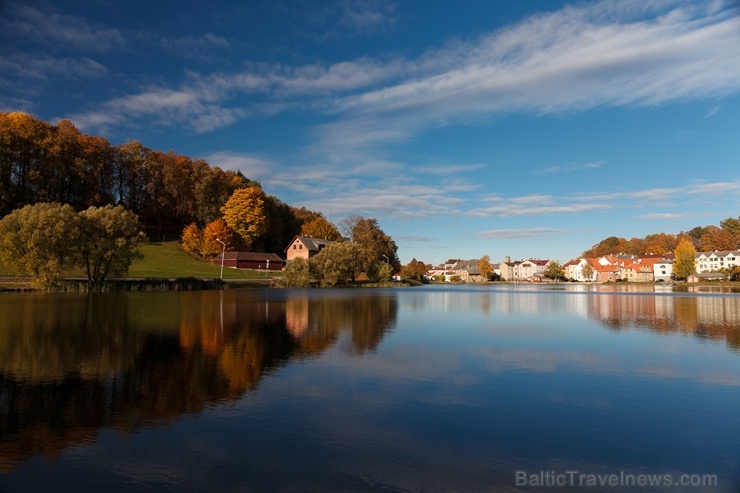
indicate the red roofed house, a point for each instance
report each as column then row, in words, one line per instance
column 305, row 247
column 532, row 269
column 638, row 272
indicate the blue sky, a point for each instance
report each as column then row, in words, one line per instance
column 525, row 129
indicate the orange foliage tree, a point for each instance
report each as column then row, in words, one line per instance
column 214, row 231
column 192, row 239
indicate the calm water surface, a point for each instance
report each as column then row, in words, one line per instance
column 432, row 389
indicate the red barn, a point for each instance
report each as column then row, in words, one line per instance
column 251, row 260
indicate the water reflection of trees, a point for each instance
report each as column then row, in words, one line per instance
column 71, row 365
column 711, row 317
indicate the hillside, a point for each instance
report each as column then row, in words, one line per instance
column 168, row 260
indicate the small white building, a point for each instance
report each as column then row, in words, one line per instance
column 663, row 270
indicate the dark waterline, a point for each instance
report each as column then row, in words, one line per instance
column 468, row 388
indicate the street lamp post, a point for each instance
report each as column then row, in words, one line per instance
column 387, row 260
column 223, row 254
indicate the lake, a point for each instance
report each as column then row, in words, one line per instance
column 429, row 389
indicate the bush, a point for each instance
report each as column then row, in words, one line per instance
column 296, row 274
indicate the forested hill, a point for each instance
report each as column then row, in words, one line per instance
column 726, row 236
column 42, row 162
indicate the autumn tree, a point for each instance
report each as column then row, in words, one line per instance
column 732, row 226
column 415, row 269
column 554, row 270
column 377, row 245
column 659, row 243
column 606, row 246
column 131, row 175
column 338, row 263
column 244, row 212
column 320, row 228
column 108, row 242
column 39, row 240
column 23, row 160
column 192, row 238
column 486, row 269
column 304, row 215
column 385, row 272
column 715, row 238
column 215, row 231
column 296, row 274
column 283, row 226
column 685, row 254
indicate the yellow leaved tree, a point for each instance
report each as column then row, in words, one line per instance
column 245, row 213
column 683, row 264
column 320, row 228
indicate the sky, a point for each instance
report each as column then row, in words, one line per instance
column 508, row 128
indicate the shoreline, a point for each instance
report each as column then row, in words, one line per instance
column 152, row 284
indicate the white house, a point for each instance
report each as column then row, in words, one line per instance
column 663, row 270
column 715, row 261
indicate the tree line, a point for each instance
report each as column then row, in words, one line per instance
column 44, row 162
column 724, row 237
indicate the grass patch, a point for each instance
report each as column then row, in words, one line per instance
column 169, row 261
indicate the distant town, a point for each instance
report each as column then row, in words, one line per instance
column 717, row 265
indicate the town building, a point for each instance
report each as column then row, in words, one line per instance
column 716, row 261
column 305, row 247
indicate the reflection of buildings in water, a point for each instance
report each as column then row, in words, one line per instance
column 296, row 315
column 716, row 317
column 516, row 301
column 622, row 307
column 317, row 323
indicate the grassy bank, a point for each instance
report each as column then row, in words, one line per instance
column 161, row 261
column 168, row 260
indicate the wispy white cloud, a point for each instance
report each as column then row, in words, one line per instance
column 163, row 107
column 253, row 167
column 517, row 234
column 193, row 47
column 602, row 54
column 538, row 205
column 569, row 168
column 70, row 31
column 366, row 188
column 415, row 239
column 607, row 53
column 367, row 15
column 394, row 189
column 674, row 216
column 712, row 111
column 450, row 169
column 514, row 209
column 43, row 67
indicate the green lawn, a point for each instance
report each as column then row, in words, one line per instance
column 168, row 260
